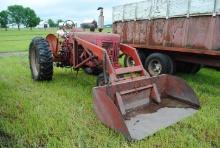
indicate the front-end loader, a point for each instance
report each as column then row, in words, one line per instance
column 125, row 99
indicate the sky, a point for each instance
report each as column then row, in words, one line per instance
column 77, row 10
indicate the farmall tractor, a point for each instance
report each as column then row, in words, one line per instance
column 125, row 99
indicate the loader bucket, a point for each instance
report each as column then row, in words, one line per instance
column 137, row 108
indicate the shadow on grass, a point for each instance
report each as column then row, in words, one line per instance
column 6, row 140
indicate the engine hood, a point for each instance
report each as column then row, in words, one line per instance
column 96, row 38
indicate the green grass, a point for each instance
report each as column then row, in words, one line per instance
column 15, row 40
column 60, row 113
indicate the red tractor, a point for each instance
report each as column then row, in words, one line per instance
column 126, row 99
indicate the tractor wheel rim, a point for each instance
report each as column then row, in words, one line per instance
column 155, row 67
column 35, row 62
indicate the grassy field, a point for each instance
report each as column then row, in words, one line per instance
column 60, row 113
column 15, row 40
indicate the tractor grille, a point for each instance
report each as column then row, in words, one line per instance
column 108, row 46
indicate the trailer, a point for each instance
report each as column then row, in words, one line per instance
column 171, row 35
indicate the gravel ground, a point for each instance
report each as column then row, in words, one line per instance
column 9, row 54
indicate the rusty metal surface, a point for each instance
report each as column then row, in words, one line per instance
column 154, row 9
column 108, row 113
column 199, row 32
column 53, row 43
column 144, row 125
column 119, row 104
column 130, row 92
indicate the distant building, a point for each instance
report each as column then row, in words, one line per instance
column 108, row 26
column 88, row 25
column 43, row 24
column 14, row 25
column 60, row 25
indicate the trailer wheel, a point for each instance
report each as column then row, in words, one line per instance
column 40, row 60
column 101, row 80
column 158, row 63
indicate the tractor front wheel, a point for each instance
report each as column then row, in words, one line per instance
column 92, row 71
column 101, row 80
column 128, row 61
column 40, row 59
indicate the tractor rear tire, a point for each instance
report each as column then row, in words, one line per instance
column 128, row 61
column 40, row 60
column 158, row 63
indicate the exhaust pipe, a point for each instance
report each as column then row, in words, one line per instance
column 101, row 20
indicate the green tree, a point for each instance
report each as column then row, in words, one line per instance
column 30, row 18
column 51, row 23
column 4, row 19
column 58, row 21
column 16, row 13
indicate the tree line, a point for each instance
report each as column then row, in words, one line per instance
column 19, row 15
column 52, row 23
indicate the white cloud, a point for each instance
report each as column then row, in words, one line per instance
column 78, row 10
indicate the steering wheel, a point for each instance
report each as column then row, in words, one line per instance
column 68, row 24
column 66, row 28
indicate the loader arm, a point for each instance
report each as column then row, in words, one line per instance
column 99, row 53
column 114, row 73
column 130, row 51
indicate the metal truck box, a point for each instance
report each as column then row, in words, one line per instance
column 187, row 24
